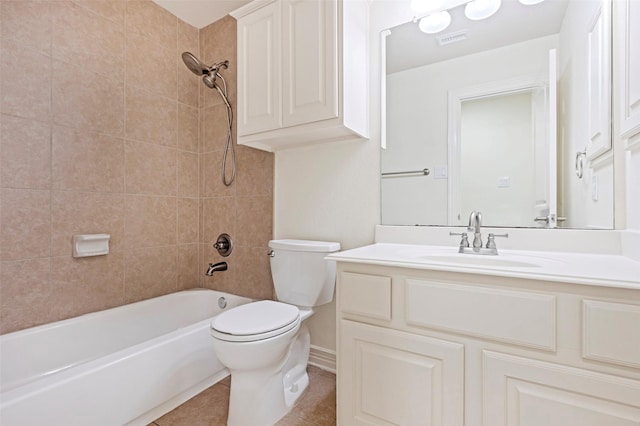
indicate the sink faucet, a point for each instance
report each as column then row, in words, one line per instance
column 215, row 267
column 475, row 224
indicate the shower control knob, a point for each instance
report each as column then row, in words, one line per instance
column 224, row 245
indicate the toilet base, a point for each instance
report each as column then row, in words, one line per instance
column 261, row 398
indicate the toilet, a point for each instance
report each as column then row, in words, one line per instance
column 265, row 344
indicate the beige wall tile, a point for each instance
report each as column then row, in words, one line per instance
column 187, row 163
column 87, row 161
column 26, row 153
column 25, row 225
column 218, row 43
column 214, row 127
column 151, row 117
column 24, row 294
column 188, row 83
column 188, row 271
column 150, row 272
column 149, row 221
column 254, row 221
column 87, row 284
column 75, row 213
column 152, row 21
column 188, row 128
column 219, row 217
column 255, row 172
column 86, row 100
column 254, row 276
column 26, row 82
column 151, row 65
column 110, row 9
column 211, row 176
column 28, row 23
column 77, row 30
column 149, row 169
column 187, row 220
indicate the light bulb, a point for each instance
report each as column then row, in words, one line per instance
column 435, row 23
column 481, row 9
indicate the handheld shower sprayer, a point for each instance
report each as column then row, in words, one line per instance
column 209, row 75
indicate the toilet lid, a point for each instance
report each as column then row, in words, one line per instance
column 256, row 318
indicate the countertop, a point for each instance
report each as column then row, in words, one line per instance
column 609, row 270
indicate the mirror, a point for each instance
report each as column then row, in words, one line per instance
column 509, row 115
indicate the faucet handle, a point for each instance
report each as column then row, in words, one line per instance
column 491, row 241
column 464, row 241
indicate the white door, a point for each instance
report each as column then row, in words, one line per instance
column 389, row 377
column 310, row 61
column 546, row 162
column 259, row 70
column 525, row 392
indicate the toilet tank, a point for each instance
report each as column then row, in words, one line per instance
column 301, row 275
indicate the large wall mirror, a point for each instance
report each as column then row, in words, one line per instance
column 508, row 115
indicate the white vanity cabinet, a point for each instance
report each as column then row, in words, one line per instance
column 302, row 72
column 431, row 347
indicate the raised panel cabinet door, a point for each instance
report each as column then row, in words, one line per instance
column 389, row 377
column 526, row 392
column 259, row 70
column 310, row 61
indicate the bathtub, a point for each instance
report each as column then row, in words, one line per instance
column 122, row 366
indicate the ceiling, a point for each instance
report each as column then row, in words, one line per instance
column 408, row 47
column 201, row 13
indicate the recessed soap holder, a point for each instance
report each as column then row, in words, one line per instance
column 86, row 245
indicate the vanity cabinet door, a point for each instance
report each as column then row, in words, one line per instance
column 525, row 392
column 388, row 377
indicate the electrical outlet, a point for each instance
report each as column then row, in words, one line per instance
column 504, row 182
column 440, row 172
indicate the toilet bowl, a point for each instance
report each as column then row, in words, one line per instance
column 265, row 344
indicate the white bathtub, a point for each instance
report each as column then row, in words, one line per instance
column 122, row 366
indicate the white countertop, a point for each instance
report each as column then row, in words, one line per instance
column 610, row 270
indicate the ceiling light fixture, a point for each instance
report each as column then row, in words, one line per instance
column 433, row 15
column 435, row 22
column 481, row 9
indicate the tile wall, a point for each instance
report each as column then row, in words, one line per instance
column 104, row 130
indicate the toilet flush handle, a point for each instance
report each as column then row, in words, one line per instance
column 271, row 253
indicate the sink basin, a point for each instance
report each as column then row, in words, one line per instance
column 479, row 260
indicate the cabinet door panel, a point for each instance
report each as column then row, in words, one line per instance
column 388, row 377
column 525, row 392
column 259, row 70
column 310, row 61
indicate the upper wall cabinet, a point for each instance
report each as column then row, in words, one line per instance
column 303, row 69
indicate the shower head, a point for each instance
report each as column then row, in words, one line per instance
column 194, row 64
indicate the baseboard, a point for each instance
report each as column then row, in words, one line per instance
column 322, row 358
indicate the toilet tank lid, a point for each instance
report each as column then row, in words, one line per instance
column 305, row 245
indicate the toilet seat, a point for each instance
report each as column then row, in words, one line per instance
column 255, row 321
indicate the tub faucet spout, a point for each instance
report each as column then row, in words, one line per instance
column 215, row 267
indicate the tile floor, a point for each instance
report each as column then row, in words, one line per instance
column 317, row 407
